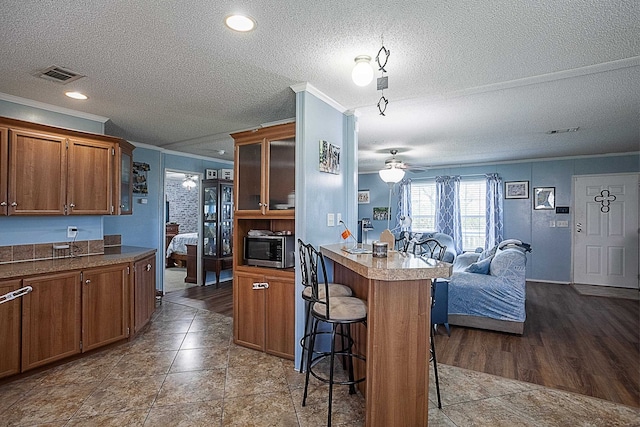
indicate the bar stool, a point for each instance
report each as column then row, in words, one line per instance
column 335, row 290
column 338, row 312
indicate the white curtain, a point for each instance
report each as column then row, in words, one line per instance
column 404, row 204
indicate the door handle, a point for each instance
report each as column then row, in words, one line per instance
column 260, row 285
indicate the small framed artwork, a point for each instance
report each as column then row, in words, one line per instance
column 211, row 173
column 329, row 158
column 363, row 197
column 380, row 214
column 544, row 198
column 516, row 190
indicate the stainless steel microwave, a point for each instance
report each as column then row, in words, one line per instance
column 270, row 251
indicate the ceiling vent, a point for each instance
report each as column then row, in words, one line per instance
column 60, row 75
column 556, row 131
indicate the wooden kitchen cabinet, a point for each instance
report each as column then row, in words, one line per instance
column 144, row 292
column 265, row 171
column 105, row 307
column 37, row 174
column 264, row 317
column 124, row 178
column 90, row 177
column 51, row 319
column 10, row 313
column 4, row 166
column 53, row 171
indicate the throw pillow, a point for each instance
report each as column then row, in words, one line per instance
column 488, row 253
column 480, row 267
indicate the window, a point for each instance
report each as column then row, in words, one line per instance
column 423, row 206
column 473, row 198
column 472, row 210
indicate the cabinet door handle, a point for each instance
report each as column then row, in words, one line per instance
column 148, row 267
column 260, row 285
column 14, row 204
column 72, row 205
column 86, row 282
column 3, row 203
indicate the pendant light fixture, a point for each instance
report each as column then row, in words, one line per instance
column 189, row 182
column 362, row 73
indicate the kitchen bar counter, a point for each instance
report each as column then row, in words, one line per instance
column 111, row 256
column 396, row 339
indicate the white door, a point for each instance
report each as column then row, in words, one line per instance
column 605, row 234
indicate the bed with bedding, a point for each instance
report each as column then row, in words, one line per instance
column 177, row 249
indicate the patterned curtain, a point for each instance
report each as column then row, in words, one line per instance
column 404, row 204
column 448, row 217
column 495, row 223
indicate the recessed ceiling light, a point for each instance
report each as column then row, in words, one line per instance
column 240, row 23
column 76, row 95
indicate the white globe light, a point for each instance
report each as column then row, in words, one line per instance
column 362, row 73
column 391, row 175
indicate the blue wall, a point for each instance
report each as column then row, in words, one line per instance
column 550, row 259
column 319, row 193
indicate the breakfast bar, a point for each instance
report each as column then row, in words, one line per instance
column 396, row 339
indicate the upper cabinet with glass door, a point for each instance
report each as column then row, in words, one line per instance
column 265, row 171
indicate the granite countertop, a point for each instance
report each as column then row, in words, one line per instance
column 111, row 256
column 397, row 266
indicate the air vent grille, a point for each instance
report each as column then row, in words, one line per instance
column 60, row 75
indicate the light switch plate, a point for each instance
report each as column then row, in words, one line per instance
column 562, row 223
column 331, row 222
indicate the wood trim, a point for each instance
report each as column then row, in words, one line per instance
column 4, row 168
column 286, row 130
column 487, row 323
column 37, row 127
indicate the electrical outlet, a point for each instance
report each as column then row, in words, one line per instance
column 562, row 223
column 338, row 218
column 552, row 224
column 72, row 232
column 331, row 222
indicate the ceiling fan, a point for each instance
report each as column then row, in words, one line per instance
column 395, row 163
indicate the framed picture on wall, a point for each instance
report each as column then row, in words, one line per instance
column 544, row 198
column 363, row 197
column 516, row 190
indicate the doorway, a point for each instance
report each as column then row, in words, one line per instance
column 605, row 231
column 183, row 226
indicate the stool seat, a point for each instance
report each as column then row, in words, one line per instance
column 335, row 290
column 342, row 309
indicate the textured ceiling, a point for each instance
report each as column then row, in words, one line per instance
column 469, row 81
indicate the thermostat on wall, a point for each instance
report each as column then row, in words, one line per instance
column 562, row 209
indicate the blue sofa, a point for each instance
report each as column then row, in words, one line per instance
column 488, row 291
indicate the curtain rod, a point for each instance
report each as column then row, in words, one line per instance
column 461, row 176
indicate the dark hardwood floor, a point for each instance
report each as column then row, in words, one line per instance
column 212, row 298
column 583, row 344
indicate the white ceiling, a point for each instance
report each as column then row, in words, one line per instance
column 469, row 82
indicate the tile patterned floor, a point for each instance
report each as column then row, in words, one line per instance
column 184, row 370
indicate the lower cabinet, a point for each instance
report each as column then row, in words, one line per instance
column 72, row 312
column 144, row 292
column 264, row 312
column 105, row 314
column 10, row 330
column 51, row 322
